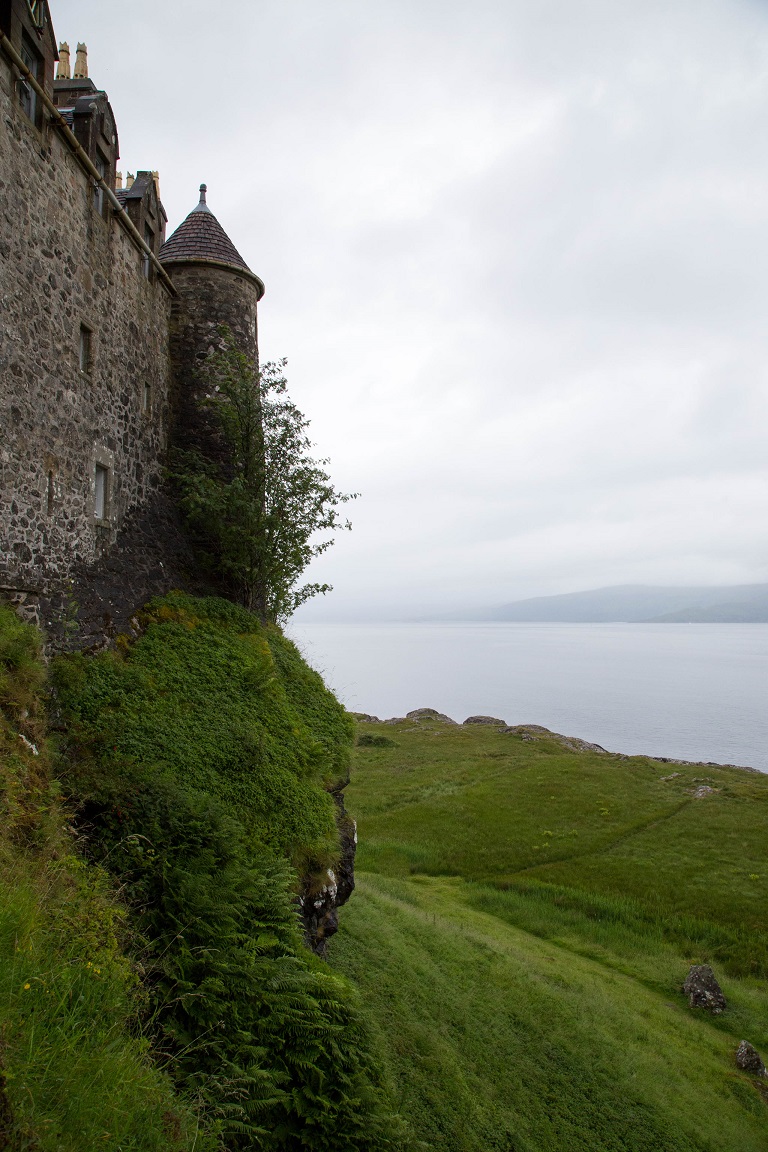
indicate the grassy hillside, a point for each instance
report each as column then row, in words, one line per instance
column 526, row 913
column 155, row 990
column 75, row 1065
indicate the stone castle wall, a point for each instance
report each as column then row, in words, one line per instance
column 65, row 265
column 208, row 296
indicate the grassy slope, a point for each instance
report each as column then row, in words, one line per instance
column 524, row 918
column 75, row 1072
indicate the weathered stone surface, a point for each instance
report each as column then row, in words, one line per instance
column 365, row 718
column 150, row 557
column 208, row 297
column 749, row 1059
column 420, row 714
column 65, row 265
column 536, row 731
column 319, row 903
column 491, row 721
column 703, row 990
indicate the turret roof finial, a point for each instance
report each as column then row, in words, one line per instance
column 201, row 206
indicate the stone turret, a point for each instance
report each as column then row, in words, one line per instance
column 214, row 286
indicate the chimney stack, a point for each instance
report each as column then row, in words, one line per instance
column 81, row 63
column 129, row 180
column 118, row 179
column 62, row 72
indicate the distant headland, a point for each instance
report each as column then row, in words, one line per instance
column 635, row 604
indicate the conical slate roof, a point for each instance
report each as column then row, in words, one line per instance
column 201, row 237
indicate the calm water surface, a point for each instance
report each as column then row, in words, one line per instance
column 693, row 691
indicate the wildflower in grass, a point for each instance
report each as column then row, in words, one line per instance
column 27, row 987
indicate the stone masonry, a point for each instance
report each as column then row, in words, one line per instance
column 84, row 359
column 105, row 326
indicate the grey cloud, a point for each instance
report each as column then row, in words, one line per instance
column 515, row 255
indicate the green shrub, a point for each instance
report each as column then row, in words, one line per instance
column 367, row 740
column 200, row 696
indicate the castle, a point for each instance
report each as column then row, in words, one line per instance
column 104, row 321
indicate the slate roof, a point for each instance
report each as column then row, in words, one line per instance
column 201, row 237
column 136, row 190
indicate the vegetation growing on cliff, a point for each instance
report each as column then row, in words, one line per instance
column 525, row 916
column 188, row 1013
column 200, row 781
column 257, row 507
column 75, row 1066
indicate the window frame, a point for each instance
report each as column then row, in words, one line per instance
column 85, row 351
column 28, row 100
column 101, row 163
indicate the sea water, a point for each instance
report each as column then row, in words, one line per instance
column 687, row 691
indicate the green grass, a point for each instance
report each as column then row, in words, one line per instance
column 524, row 918
column 75, row 1071
column 78, row 1073
column 196, row 761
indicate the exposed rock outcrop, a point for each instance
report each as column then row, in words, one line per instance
column 490, row 721
column 536, row 731
column 703, row 990
column 320, row 897
column 749, row 1059
column 420, row 714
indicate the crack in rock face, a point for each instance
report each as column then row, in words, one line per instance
column 318, row 906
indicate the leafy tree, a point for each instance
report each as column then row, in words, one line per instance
column 256, row 498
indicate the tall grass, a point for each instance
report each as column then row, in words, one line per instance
column 76, row 1072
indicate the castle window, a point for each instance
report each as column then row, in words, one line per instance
column 149, row 237
column 85, row 349
column 28, row 101
column 101, row 493
column 146, row 398
column 51, row 493
column 98, row 193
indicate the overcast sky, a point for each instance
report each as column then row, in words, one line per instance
column 516, row 254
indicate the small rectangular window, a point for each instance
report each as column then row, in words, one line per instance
column 146, row 263
column 85, row 349
column 101, row 492
column 146, row 398
column 98, row 192
column 27, row 95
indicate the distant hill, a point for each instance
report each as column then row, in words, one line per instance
column 638, row 603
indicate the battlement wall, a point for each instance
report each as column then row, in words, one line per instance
column 84, row 359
